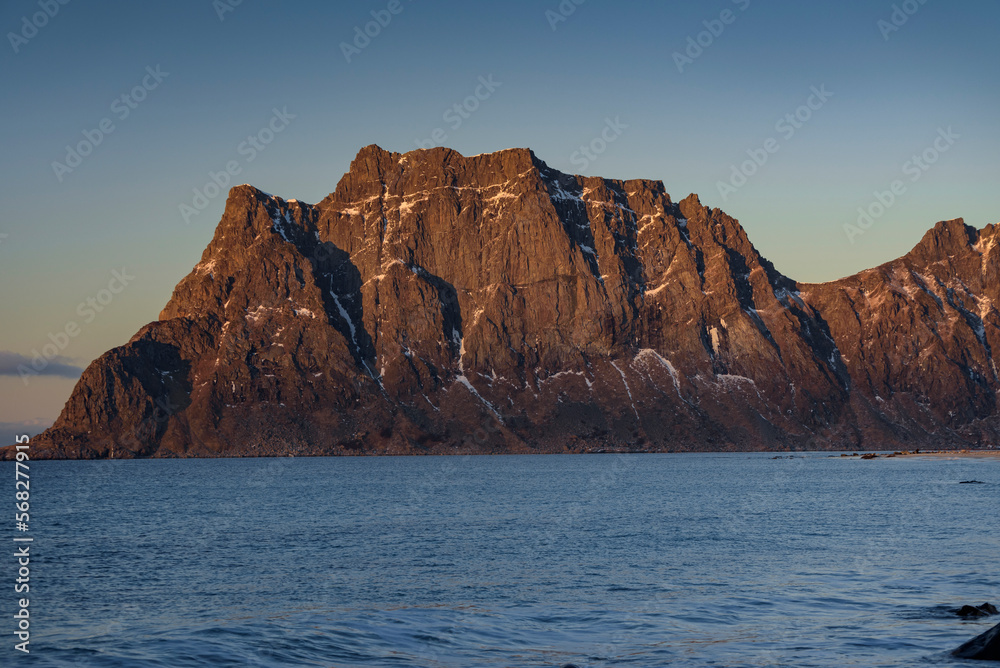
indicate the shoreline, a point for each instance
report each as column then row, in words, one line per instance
column 776, row 454
column 956, row 454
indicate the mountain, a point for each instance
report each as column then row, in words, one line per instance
column 436, row 303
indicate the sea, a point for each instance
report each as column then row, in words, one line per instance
column 728, row 559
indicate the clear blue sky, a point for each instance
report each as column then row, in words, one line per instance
column 608, row 60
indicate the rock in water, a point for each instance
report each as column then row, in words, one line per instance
column 436, row 303
column 985, row 647
column 984, row 610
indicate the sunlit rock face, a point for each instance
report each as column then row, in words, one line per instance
column 435, row 303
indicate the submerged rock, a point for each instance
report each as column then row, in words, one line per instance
column 985, row 647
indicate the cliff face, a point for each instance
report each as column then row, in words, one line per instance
column 436, row 304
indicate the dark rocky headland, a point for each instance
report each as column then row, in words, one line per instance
column 436, row 303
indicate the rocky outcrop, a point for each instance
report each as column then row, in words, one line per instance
column 984, row 647
column 972, row 611
column 435, row 303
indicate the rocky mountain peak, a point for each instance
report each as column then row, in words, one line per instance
column 946, row 239
column 438, row 303
column 375, row 168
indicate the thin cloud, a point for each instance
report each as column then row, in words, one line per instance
column 15, row 364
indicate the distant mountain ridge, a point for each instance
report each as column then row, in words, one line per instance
column 435, row 303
